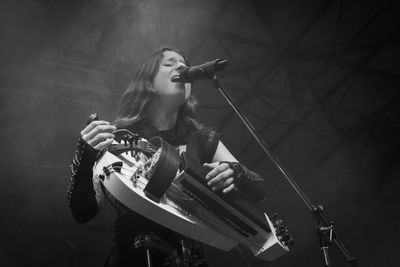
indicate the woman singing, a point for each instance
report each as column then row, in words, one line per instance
column 153, row 105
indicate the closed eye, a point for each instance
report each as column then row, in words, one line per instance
column 168, row 64
column 172, row 61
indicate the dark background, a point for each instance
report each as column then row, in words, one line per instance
column 319, row 80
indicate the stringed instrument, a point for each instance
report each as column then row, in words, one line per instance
column 152, row 179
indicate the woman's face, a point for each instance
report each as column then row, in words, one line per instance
column 170, row 65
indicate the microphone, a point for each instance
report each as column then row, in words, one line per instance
column 206, row 70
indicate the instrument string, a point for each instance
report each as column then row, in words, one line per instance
column 174, row 190
column 129, row 177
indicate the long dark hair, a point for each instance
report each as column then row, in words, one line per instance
column 136, row 100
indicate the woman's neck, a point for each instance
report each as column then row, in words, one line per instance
column 162, row 118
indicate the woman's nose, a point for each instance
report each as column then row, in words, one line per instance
column 180, row 67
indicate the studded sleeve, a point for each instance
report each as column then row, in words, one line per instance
column 83, row 198
column 250, row 184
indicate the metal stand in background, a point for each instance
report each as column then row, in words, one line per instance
column 324, row 228
column 185, row 255
column 74, row 251
column 150, row 242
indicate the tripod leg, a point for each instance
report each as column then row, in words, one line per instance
column 148, row 258
column 326, row 256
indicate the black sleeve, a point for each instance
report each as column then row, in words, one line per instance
column 81, row 194
column 210, row 141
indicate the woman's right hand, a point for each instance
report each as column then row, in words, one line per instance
column 98, row 134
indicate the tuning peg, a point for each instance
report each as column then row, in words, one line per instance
column 135, row 138
column 277, row 222
column 274, row 216
column 282, row 231
column 284, row 238
column 137, row 157
column 106, row 170
column 279, row 227
column 289, row 242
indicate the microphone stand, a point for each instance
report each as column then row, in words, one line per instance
column 323, row 227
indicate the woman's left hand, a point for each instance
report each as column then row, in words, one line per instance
column 220, row 177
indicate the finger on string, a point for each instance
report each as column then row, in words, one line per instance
column 104, row 144
column 213, row 180
column 211, row 165
column 220, row 178
column 102, row 137
column 98, row 139
column 224, row 164
column 97, row 130
column 223, row 183
column 229, row 181
column 102, row 128
column 217, row 170
column 92, row 125
column 228, row 189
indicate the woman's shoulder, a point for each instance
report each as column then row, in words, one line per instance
column 207, row 134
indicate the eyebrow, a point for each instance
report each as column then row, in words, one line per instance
column 174, row 60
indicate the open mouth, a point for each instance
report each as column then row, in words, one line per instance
column 175, row 78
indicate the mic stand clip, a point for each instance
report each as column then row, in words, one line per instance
column 325, row 234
